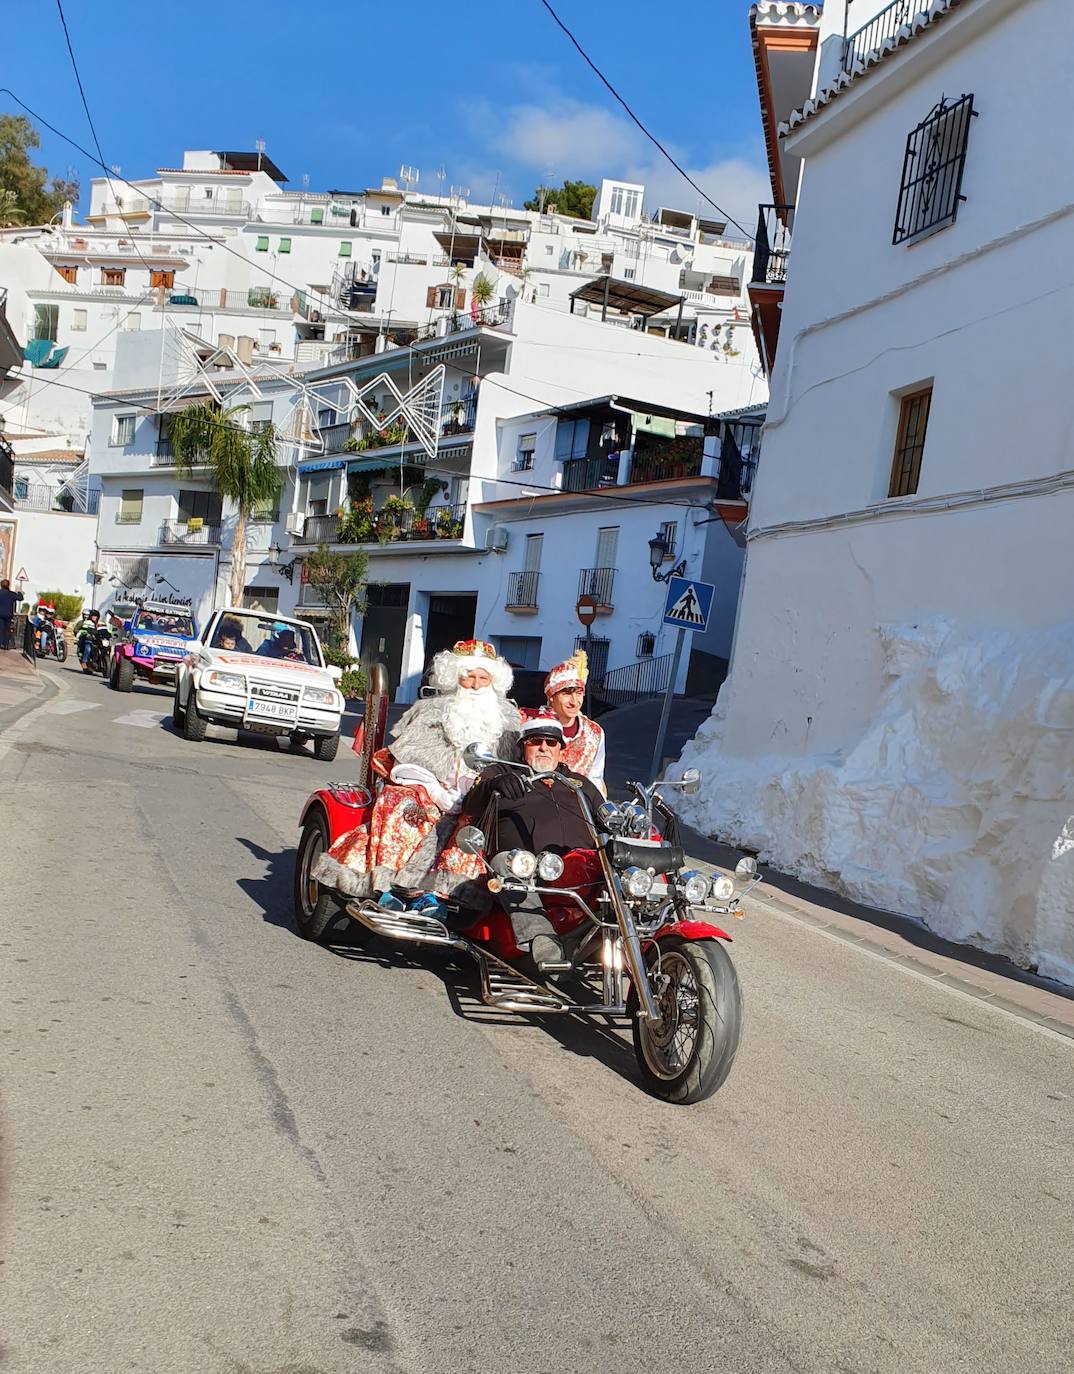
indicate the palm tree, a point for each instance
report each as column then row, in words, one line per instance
column 482, row 289
column 243, row 463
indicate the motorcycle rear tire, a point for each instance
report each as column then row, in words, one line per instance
column 719, row 1005
column 317, row 909
column 61, row 650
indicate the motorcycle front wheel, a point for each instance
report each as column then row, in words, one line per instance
column 686, row 1055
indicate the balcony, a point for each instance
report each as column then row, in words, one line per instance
column 597, row 583
column 39, row 496
column 336, row 437
column 231, row 206
column 522, row 591
column 590, row 474
column 271, row 300
column 189, row 532
column 495, row 316
column 672, row 461
column 880, row 28
column 771, row 257
column 395, row 523
column 459, row 417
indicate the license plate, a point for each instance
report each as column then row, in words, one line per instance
column 271, row 710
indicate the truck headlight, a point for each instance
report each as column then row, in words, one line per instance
column 723, row 889
column 225, row 682
column 549, row 867
column 638, row 881
column 695, row 886
column 319, row 696
column 144, row 650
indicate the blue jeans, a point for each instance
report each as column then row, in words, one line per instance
column 87, row 649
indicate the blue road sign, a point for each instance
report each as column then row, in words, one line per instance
column 689, row 603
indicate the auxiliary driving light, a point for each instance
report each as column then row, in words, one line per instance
column 515, row 863
column 638, row 881
column 723, row 889
column 549, row 867
column 695, row 886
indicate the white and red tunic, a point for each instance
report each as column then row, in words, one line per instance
column 585, row 750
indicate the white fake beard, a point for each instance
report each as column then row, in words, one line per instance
column 473, row 716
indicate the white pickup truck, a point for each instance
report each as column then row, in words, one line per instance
column 257, row 671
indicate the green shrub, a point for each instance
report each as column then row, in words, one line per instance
column 68, row 604
column 352, row 683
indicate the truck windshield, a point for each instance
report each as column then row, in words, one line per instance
column 160, row 623
column 250, row 633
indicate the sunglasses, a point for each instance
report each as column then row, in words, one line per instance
column 542, row 739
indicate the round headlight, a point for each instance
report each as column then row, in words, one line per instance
column 638, row 881
column 549, row 867
column 636, row 821
column 522, row 863
column 723, row 889
column 695, row 886
column 610, row 815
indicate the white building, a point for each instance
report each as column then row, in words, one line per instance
column 899, row 718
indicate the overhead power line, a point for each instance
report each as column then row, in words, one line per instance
column 650, row 136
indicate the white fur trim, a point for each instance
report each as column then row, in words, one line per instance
column 448, row 667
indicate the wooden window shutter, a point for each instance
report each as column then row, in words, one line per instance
column 430, row 298
column 460, row 298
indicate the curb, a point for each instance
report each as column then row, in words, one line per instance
column 47, row 689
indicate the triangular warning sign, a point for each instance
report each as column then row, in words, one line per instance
column 22, row 575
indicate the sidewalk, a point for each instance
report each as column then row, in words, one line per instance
column 631, row 733
column 22, row 686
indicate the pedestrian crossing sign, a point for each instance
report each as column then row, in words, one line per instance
column 688, row 603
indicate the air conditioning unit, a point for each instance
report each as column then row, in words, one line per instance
column 295, row 523
column 496, row 539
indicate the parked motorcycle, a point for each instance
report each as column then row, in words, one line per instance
column 640, row 926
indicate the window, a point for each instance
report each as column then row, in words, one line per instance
column 122, row 431
column 549, row 249
column 645, row 645
column 208, row 192
column 285, row 245
column 542, row 288
column 935, row 157
column 261, row 246
column 260, row 414
column 68, row 274
column 910, row 442
column 617, row 200
column 345, row 248
column 534, row 549
column 445, row 297
column 130, row 502
column 669, row 533
column 527, row 444
column 78, row 321
column 46, row 321
column 205, row 506
column 113, row 276
column 318, row 492
column 261, row 599
column 607, row 546
column 628, row 274
column 630, row 209
column 132, row 321
column 572, row 439
column 162, row 277
column 317, row 215
column 385, row 209
column 266, row 337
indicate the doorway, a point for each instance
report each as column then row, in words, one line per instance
column 451, row 618
column 384, row 628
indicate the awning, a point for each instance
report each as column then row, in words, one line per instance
column 323, row 465
column 371, row 464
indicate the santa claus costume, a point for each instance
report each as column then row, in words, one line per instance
column 584, row 752
column 406, row 842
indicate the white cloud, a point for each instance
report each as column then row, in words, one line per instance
column 564, row 138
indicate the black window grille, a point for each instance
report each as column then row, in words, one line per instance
column 646, row 645
column 932, row 168
column 597, row 648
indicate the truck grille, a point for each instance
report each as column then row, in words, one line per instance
column 273, row 691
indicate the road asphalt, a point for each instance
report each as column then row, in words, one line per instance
column 228, row 1150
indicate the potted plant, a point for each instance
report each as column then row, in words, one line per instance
column 482, row 290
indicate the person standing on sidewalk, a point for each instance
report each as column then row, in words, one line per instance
column 9, row 602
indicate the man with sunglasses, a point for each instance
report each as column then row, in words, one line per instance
column 539, row 812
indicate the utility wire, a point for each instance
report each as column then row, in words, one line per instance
column 651, row 137
column 78, row 78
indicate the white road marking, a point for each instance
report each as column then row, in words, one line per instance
column 144, row 720
column 68, row 708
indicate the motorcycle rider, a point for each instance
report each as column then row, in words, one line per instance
column 44, row 628
column 85, row 637
column 536, row 813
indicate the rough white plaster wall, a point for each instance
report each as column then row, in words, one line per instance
column 954, row 805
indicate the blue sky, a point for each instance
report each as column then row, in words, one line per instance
column 346, row 92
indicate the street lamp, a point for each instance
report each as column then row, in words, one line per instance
column 159, row 578
column 659, row 549
column 284, row 569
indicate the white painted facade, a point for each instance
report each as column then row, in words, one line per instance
column 898, row 718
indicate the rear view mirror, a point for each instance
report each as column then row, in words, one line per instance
column 746, row 868
column 471, row 840
column 477, row 756
column 691, row 781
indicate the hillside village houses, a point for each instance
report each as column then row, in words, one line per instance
column 215, row 259
column 899, row 717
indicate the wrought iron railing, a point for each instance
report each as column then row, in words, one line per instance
column 881, row 27
column 597, row 583
column 189, row 532
column 651, row 467
column 319, row 529
column 40, row 496
column 522, row 589
column 336, row 436
column 458, row 320
column 216, row 205
column 772, row 249
column 459, row 417
column 634, row 682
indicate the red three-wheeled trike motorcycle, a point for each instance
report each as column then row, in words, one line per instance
column 641, row 926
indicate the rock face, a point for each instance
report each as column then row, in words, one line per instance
column 955, row 805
